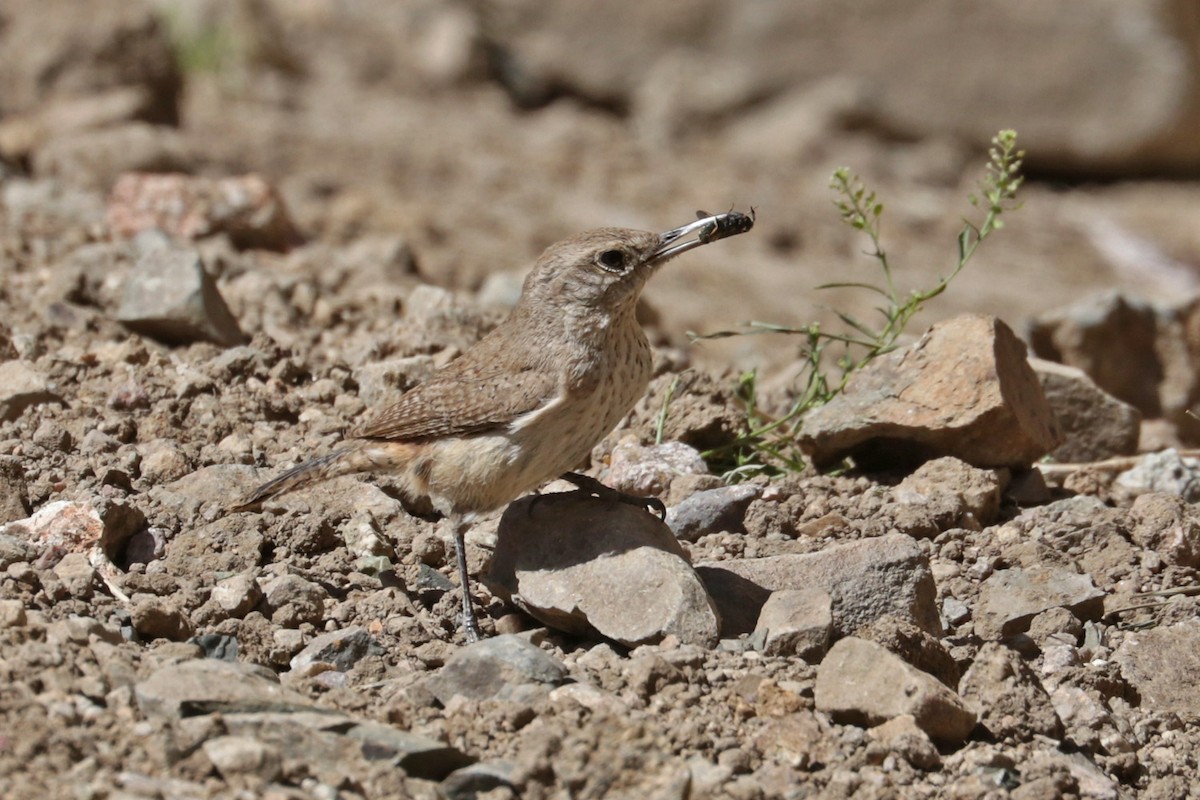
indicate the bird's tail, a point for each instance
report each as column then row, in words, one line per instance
column 336, row 463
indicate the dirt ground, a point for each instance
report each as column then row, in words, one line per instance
column 430, row 145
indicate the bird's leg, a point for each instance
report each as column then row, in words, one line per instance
column 470, row 626
column 594, row 487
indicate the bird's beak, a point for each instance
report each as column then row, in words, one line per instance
column 708, row 228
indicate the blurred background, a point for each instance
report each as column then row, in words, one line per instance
column 479, row 132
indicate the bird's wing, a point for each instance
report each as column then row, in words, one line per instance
column 465, row 398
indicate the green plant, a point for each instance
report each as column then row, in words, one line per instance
column 769, row 443
column 199, row 45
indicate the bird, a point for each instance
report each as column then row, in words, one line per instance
column 527, row 403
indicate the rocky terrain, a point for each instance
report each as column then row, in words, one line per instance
column 227, row 232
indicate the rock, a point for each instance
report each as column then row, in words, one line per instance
column 169, row 296
column 242, row 755
column 1092, row 781
column 163, row 462
column 22, row 386
column 794, row 738
column 861, row 683
column 22, row 134
column 339, row 650
column 1168, row 525
column 1113, row 339
column 902, row 736
column 866, row 579
column 14, row 549
column 1010, row 598
column 159, row 618
column 797, row 622
column 955, row 611
column 12, row 614
column 208, row 686
column 647, row 471
column 81, row 630
column 1056, row 626
column 287, row 643
column 595, row 700
column 1166, row 472
column 648, row 59
column 59, row 527
column 584, row 565
column 1095, row 425
column 96, row 159
column 1007, row 697
column 1163, row 666
column 469, row 782
column 237, row 594
column 58, row 49
column 216, row 645
column 917, row 647
column 493, row 668
column 952, row 494
column 419, row 756
column 712, row 511
column 294, row 601
column 964, row 390
column 77, row 574
column 1082, row 713
column 246, row 208
column 252, row 704
column 227, row 545
column 337, row 746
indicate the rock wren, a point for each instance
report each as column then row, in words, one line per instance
column 529, row 401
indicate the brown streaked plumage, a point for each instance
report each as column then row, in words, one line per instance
column 530, row 400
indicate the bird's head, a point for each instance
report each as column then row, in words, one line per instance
column 606, row 269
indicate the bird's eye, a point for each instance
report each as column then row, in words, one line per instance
column 612, row 260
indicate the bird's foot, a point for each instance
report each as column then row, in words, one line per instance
column 470, row 627
column 595, row 488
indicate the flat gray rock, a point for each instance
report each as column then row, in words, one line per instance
column 170, row 297
column 338, row 650
column 593, row 567
column 254, row 706
column 1010, row 598
column 866, row 579
column 208, row 686
column 417, row 755
column 470, row 781
column 486, row 669
column 862, row 683
column 711, row 511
